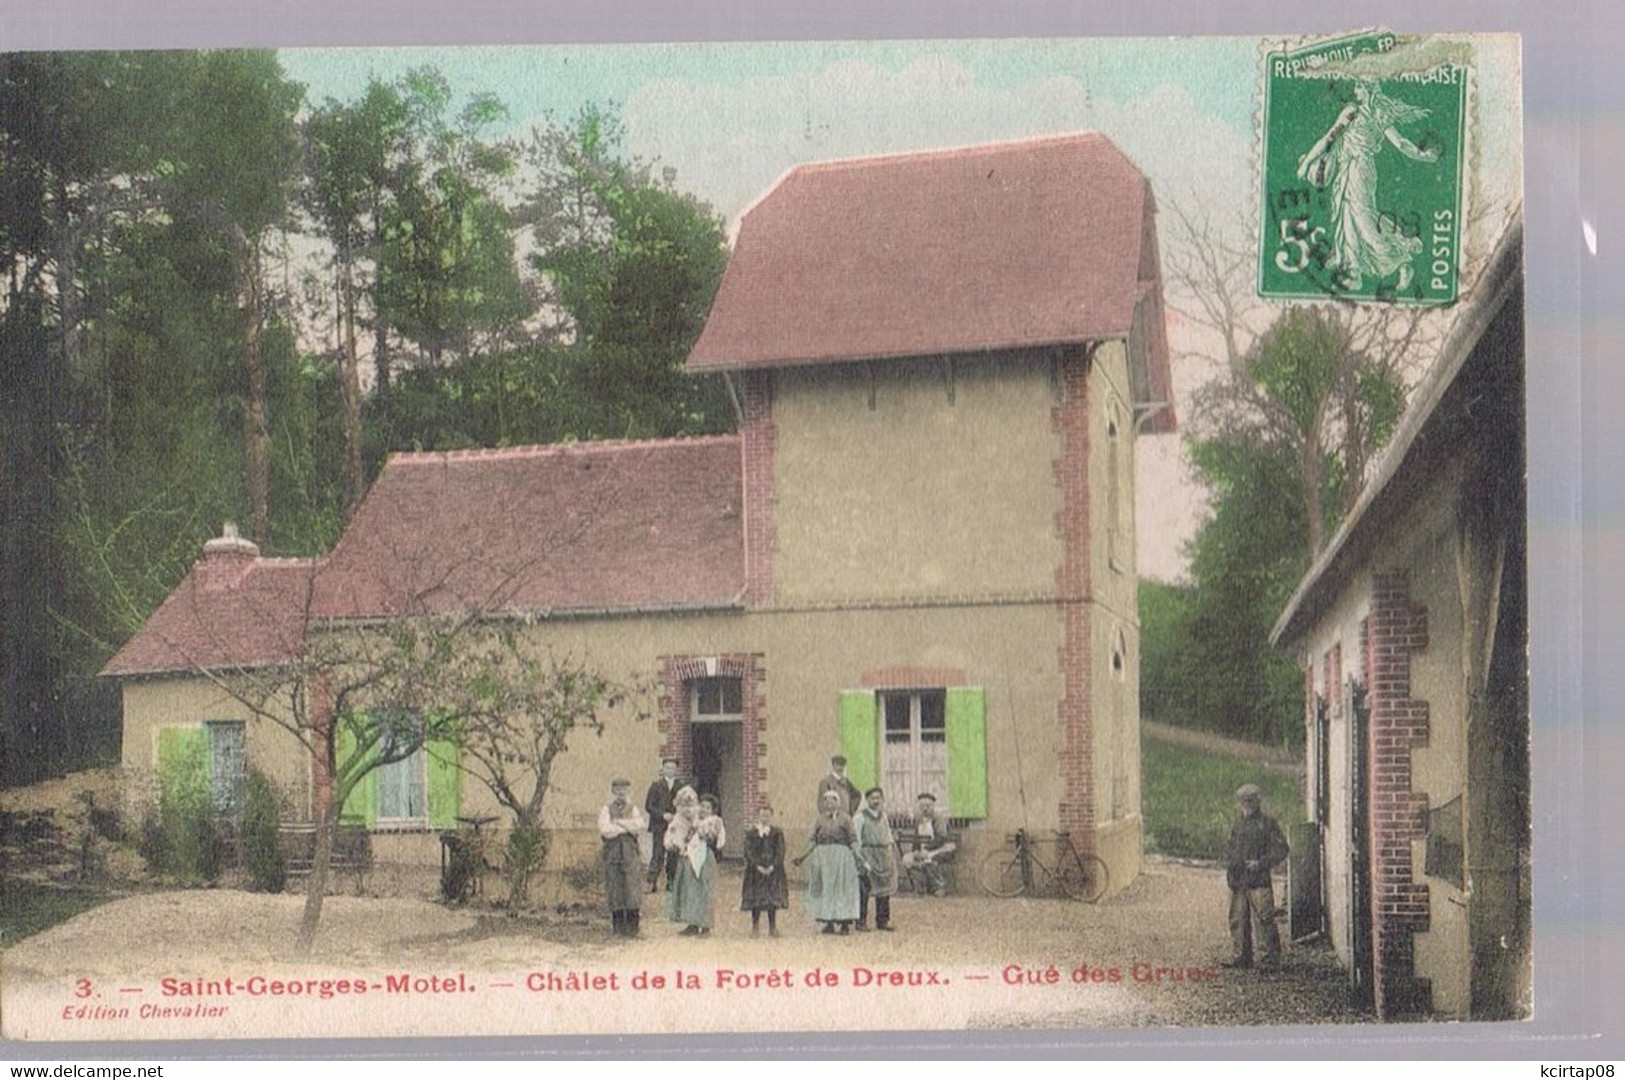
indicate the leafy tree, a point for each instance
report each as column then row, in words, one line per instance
column 517, row 709
column 1292, row 408
column 1245, row 563
column 448, row 274
column 635, row 264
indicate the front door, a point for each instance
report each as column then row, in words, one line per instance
column 1361, row 971
column 717, row 734
column 719, row 770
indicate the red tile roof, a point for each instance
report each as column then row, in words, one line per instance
column 1010, row 245
column 585, row 527
column 588, row 526
column 233, row 611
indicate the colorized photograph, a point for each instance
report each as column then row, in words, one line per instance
column 896, row 535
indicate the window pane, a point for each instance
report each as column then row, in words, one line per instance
column 896, row 709
column 401, row 788
column 718, row 696
column 226, row 771
column 933, row 717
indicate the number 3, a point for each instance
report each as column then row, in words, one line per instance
column 81, row 988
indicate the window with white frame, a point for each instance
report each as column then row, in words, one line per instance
column 718, row 697
column 914, row 747
column 403, row 784
column 228, row 775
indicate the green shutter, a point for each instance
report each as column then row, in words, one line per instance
column 183, row 767
column 967, row 753
column 362, row 805
column 445, row 784
column 860, row 737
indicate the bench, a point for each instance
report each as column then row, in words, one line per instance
column 352, row 850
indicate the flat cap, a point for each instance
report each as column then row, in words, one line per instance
column 1248, row 791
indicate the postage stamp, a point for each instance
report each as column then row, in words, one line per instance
column 796, row 537
column 1363, row 164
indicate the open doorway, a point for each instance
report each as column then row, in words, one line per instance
column 717, row 743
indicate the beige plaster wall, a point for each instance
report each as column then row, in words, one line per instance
column 1114, row 622
column 1424, row 547
column 1443, row 954
column 1340, row 628
column 153, row 704
column 920, row 495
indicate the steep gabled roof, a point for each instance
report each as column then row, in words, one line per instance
column 233, row 611
column 582, row 527
column 1040, row 242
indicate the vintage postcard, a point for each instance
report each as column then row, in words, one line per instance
column 813, row 536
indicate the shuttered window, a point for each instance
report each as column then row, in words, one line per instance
column 918, row 741
column 422, row 789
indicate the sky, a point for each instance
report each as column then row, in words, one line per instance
column 729, row 119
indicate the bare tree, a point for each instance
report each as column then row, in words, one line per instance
column 1326, row 381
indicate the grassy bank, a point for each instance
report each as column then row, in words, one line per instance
column 1190, row 798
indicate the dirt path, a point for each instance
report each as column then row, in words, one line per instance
column 1273, row 757
column 1171, row 918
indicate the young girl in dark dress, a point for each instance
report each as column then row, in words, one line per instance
column 766, row 888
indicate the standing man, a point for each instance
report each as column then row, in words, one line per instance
column 619, row 823
column 877, row 860
column 837, row 782
column 1257, row 846
column 934, row 846
column 661, row 806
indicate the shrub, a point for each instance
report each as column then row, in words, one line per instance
column 189, row 845
column 527, row 850
column 262, row 817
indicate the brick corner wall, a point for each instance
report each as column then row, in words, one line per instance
column 1397, row 630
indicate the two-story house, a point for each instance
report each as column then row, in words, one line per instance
column 918, row 550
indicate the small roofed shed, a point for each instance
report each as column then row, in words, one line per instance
column 1015, row 245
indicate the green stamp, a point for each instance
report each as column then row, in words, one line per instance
column 1364, row 147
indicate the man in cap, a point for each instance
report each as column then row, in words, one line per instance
column 838, row 782
column 660, row 804
column 619, row 823
column 933, row 849
column 1257, row 846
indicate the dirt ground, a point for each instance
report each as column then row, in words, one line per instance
column 1148, row 956
column 1171, row 918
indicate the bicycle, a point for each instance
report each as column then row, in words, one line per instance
column 1007, row 872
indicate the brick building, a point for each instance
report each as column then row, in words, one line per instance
column 918, row 548
column 1412, row 627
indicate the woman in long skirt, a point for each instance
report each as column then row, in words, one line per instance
column 765, row 887
column 832, row 874
column 696, row 835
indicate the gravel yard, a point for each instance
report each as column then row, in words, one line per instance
column 1149, row 956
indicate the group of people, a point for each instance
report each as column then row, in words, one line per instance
column 851, row 860
column 851, row 855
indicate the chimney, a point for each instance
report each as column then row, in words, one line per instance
column 226, row 560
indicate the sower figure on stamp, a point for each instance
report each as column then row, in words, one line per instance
column 661, row 806
column 619, row 823
column 1257, row 846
